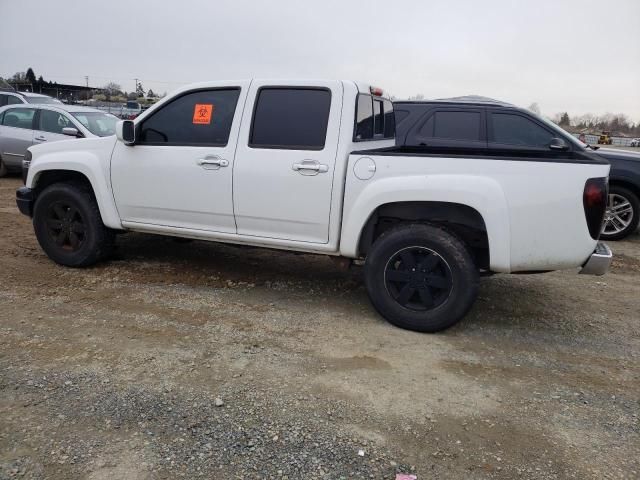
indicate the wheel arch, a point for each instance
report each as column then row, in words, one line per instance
column 475, row 202
column 45, row 177
column 625, row 183
column 461, row 220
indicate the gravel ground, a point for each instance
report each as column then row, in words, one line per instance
column 202, row 360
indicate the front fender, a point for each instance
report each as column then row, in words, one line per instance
column 86, row 163
column 483, row 194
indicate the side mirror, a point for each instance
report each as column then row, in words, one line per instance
column 558, row 144
column 71, row 131
column 126, row 132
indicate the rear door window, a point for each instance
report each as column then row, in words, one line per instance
column 8, row 100
column 457, row 125
column 450, row 128
column 19, row 118
column 518, row 131
column 290, row 118
column 200, row 118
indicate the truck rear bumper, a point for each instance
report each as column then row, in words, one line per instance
column 599, row 261
column 25, row 201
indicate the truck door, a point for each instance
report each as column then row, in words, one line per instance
column 178, row 173
column 284, row 170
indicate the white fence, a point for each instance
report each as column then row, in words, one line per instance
column 618, row 141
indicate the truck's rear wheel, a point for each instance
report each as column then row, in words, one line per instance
column 68, row 226
column 420, row 277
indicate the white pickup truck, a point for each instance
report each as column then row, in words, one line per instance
column 312, row 166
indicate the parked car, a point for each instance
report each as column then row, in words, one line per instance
column 22, row 126
column 312, row 166
column 635, row 142
column 623, row 205
column 12, row 97
column 492, row 127
column 130, row 110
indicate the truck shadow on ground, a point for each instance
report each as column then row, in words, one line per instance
column 504, row 302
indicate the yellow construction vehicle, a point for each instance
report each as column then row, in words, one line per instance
column 605, row 139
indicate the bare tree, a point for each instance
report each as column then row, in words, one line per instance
column 18, row 77
column 111, row 89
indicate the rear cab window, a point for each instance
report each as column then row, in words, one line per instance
column 375, row 119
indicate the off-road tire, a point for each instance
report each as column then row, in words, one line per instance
column 53, row 205
column 428, row 245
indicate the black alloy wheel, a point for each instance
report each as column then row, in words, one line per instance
column 418, row 278
column 421, row 277
column 66, row 226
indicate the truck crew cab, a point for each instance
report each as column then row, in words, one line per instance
column 312, row 166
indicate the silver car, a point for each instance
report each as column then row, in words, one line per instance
column 12, row 97
column 24, row 125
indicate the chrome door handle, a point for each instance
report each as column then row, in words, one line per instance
column 217, row 162
column 41, row 139
column 310, row 166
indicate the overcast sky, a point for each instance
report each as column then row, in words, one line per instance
column 575, row 55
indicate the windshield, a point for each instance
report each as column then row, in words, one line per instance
column 98, row 123
column 41, row 100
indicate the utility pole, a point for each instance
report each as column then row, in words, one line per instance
column 86, row 79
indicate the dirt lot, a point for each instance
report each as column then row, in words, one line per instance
column 200, row 360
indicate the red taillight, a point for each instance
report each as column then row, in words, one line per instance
column 593, row 194
column 594, row 200
column 376, row 91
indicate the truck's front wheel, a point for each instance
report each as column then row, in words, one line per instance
column 420, row 277
column 68, row 226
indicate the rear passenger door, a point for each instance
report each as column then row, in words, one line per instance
column 16, row 134
column 283, row 176
column 455, row 127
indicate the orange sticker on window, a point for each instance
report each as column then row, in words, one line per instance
column 202, row 113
